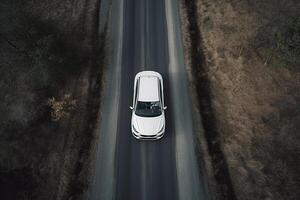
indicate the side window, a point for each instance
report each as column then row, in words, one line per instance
column 160, row 92
column 136, row 92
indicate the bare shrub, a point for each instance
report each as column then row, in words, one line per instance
column 61, row 109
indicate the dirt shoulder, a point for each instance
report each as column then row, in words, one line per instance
column 51, row 62
column 245, row 64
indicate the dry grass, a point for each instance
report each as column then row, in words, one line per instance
column 256, row 104
column 62, row 109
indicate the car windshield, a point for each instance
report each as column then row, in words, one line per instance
column 148, row 109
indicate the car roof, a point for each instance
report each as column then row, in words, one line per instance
column 148, row 88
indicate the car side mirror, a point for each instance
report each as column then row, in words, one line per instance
column 165, row 107
column 131, row 107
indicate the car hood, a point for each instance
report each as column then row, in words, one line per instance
column 148, row 125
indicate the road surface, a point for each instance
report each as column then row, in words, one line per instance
column 145, row 35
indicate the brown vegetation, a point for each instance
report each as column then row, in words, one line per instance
column 247, row 55
column 61, row 109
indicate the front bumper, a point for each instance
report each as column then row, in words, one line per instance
column 140, row 136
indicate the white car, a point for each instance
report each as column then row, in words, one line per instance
column 148, row 109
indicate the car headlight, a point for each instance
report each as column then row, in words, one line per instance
column 162, row 129
column 134, row 129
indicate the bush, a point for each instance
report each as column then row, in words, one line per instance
column 61, row 109
column 278, row 43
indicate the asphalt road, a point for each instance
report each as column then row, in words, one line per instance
column 127, row 168
column 144, row 169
